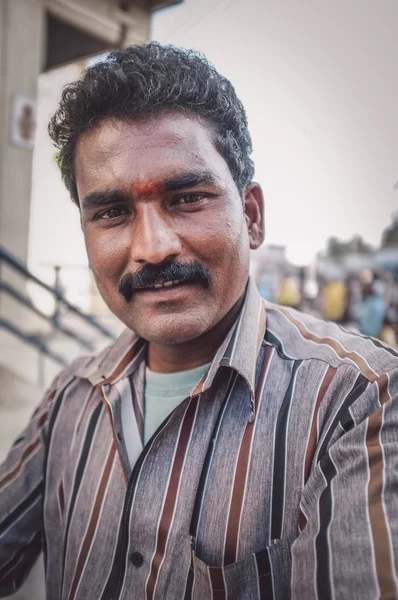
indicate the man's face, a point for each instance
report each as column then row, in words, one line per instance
column 158, row 203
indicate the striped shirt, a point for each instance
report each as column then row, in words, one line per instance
column 276, row 478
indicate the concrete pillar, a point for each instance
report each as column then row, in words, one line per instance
column 22, row 37
column 21, row 58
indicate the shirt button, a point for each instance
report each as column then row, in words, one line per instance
column 136, row 559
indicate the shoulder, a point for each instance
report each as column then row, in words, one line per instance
column 74, row 386
column 299, row 336
column 100, row 366
column 89, row 370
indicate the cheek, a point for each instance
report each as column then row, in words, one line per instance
column 222, row 227
column 232, row 240
column 107, row 255
column 225, row 249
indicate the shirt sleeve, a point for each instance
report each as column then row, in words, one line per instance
column 348, row 544
column 21, row 499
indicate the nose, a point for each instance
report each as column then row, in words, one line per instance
column 154, row 240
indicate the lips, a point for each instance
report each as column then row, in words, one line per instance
column 161, row 285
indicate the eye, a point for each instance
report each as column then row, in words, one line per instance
column 111, row 213
column 189, row 199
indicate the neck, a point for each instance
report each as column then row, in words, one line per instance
column 194, row 353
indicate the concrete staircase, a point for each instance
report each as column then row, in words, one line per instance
column 18, row 399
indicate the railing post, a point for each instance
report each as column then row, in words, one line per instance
column 1, row 275
column 58, row 294
column 40, row 370
column 62, row 304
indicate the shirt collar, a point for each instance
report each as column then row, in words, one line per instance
column 238, row 351
column 240, row 348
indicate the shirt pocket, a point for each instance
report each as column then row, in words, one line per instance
column 264, row 575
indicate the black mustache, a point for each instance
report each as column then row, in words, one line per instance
column 149, row 275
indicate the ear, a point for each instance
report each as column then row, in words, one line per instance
column 254, row 214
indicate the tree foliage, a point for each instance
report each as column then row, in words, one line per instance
column 357, row 245
column 389, row 236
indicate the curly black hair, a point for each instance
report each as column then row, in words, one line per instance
column 147, row 80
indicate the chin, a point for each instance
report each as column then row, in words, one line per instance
column 170, row 331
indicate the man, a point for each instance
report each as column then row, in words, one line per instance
column 221, row 448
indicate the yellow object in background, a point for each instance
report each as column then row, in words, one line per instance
column 387, row 335
column 289, row 294
column 334, row 300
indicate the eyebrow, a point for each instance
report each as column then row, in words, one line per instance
column 103, row 198
column 189, row 179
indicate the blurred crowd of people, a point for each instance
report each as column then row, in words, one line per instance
column 365, row 302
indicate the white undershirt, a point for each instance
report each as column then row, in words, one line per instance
column 163, row 392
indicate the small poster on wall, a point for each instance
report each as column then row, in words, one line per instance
column 23, row 122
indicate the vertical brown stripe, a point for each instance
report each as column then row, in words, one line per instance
column 264, row 575
column 231, row 538
column 92, row 525
column 199, row 386
column 217, row 583
column 26, row 454
column 334, row 344
column 171, row 495
column 313, row 437
column 382, row 384
column 261, row 326
column 125, row 361
column 42, row 420
column 52, row 393
column 384, row 560
column 302, row 521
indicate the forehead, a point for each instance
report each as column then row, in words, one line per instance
column 119, row 153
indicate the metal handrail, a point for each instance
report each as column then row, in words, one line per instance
column 19, row 266
column 27, row 302
column 37, row 343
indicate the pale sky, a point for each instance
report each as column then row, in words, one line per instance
column 319, row 82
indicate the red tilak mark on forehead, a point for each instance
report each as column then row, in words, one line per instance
column 145, row 188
